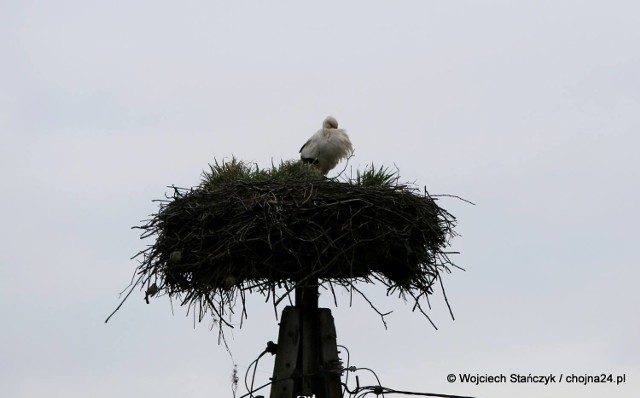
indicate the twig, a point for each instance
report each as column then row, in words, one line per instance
column 123, row 300
column 364, row 296
column 453, row 196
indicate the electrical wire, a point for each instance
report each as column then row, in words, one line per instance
column 361, row 392
column 246, row 374
column 346, row 377
column 255, row 367
column 357, row 392
column 379, row 390
column 250, row 393
column 271, row 348
column 374, row 373
column 355, row 369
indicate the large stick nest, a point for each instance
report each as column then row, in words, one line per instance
column 267, row 231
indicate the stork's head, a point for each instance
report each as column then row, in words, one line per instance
column 330, row 123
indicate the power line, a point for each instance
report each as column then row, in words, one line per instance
column 357, row 392
column 346, row 377
column 379, row 390
column 361, row 392
column 271, row 348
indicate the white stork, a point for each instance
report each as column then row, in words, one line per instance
column 327, row 146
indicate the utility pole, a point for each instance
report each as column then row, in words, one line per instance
column 306, row 361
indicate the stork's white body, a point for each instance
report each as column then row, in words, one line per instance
column 327, row 146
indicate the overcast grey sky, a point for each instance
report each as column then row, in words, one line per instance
column 530, row 109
